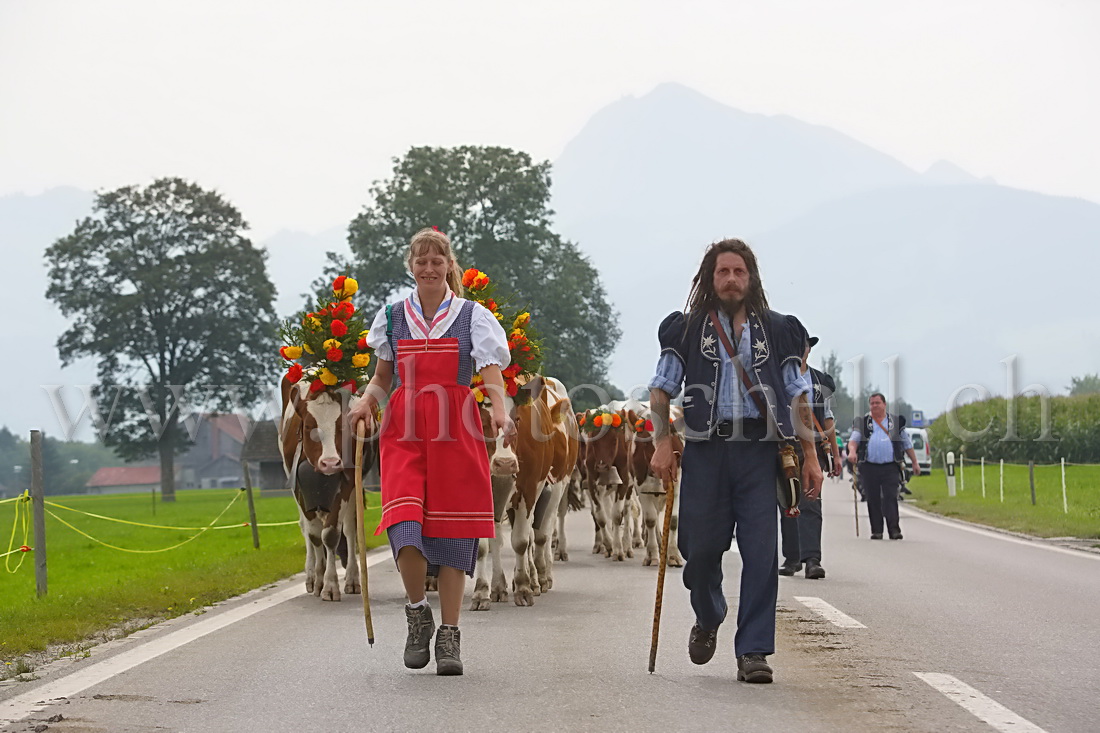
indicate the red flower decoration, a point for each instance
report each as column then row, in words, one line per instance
column 339, row 329
column 338, row 284
column 649, row 425
column 511, row 387
column 316, row 386
column 435, row 228
column 361, row 344
column 334, row 355
column 343, row 311
column 294, row 374
column 349, row 385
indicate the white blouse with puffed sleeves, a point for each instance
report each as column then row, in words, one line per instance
column 490, row 342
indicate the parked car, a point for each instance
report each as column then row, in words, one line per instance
column 922, row 446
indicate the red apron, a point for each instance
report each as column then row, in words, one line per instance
column 433, row 461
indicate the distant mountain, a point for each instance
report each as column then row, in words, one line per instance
column 951, row 259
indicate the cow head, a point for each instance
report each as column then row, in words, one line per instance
column 322, row 429
column 504, row 460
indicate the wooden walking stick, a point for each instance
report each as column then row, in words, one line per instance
column 669, row 489
column 360, row 528
column 855, row 497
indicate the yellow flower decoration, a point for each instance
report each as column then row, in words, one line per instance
column 521, row 320
column 351, row 287
column 360, row 360
column 479, row 395
column 332, row 344
column 499, row 315
column 293, row 352
column 315, row 322
column 307, row 349
column 327, row 377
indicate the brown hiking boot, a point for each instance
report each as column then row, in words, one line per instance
column 421, row 626
column 448, row 649
column 753, row 668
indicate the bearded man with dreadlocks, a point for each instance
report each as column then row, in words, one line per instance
column 740, row 360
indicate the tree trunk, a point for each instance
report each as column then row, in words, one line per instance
column 167, row 464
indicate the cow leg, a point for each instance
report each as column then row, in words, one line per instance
column 546, row 513
column 352, row 580
column 612, row 529
column 479, row 601
column 561, row 551
column 499, row 591
column 330, row 538
column 313, row 541
column 636, row 517
column 675, row 560
column 651, row 507
column 522, row 593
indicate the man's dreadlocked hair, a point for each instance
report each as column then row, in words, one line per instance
column 703, row 298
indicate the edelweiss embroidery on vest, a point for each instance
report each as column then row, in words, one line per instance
column 760, row 341
column 709, row 344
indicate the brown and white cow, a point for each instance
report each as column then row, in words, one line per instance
column 312, row 436
column 528, row 481
column 649, row 488
column 607, row 478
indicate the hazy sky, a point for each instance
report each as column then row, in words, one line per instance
column 293, row 109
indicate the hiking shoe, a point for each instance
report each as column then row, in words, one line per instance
column 895, row 535
column 789, row 567
column 447, row 650
column 421, row 626
column 753, row 668
column 814, row 571
column 701, row 644
column 876, row 535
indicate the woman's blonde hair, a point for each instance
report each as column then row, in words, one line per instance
column 430, row 239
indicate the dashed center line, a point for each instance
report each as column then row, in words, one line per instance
column 829, row 613
column 984, row 708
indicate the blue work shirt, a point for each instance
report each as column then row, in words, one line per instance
column 733, row 400
column 880, row 449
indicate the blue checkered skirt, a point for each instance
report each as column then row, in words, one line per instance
column 454, row 552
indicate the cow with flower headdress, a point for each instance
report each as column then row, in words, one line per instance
column 328, row 359
column 530, row 477
column 607, row 477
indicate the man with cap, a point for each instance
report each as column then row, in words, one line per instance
column 801, row 543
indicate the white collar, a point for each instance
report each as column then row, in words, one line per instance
column 414, row 319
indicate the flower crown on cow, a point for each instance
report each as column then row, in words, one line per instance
column 328, row 346
column 595, row 420
column 524, row 345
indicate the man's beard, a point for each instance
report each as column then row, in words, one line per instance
column 731, row 304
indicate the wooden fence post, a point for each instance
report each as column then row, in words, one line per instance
column 251, row 506
column 38, row 502
column 1031, row 477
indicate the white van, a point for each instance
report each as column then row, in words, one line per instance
column 922, row 447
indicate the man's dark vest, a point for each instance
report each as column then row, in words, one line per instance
column 824, row 386
column 775, row 340
column 866, row 425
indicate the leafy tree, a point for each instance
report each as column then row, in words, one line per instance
column 174, row 302
column 1088, row 384
column 494, row 205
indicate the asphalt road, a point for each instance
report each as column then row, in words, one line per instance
column 946, row 618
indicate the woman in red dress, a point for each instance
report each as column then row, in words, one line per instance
column 436, row 494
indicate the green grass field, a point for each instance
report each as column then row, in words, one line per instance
column 1045, row 519
column 92, row 588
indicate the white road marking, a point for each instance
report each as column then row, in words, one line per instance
column 16, row 708
column 997, row 535
column 988, row 710
column 829, row 613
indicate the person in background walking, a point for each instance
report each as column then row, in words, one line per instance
column 802, row 534
column 879, row 443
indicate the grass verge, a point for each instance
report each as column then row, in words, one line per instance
column 93, row 588
column 1045, row 518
